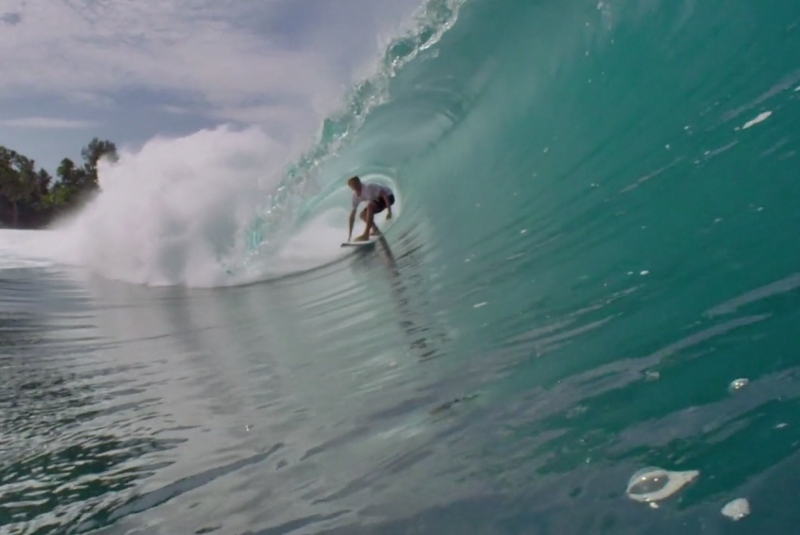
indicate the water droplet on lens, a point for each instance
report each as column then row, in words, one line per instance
column 653, row 484
column 738, row 384
column 737, row 509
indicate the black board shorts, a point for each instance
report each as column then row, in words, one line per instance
column 379, row 205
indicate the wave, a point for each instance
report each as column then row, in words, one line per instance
column 532, row 122
column 229, row 206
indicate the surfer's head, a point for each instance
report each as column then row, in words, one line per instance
column 355, row 184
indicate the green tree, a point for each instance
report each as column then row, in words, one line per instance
column 91, row 154
column 45, row 180
column 19, row 181
column 35, row 195
column 71, row 182
column 66, row 173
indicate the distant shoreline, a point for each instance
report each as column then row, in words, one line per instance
column 31, row 199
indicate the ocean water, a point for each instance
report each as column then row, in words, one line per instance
column 596, row 235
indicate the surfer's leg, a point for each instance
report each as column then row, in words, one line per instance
column 368, row 217
column 377, row 207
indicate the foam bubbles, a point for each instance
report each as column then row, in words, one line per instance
column 760, row 118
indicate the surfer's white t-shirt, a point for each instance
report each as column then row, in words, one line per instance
column 370, row 192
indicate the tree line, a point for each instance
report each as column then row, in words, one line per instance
column 30, row 198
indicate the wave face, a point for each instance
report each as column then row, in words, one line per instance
column 595, row 236
column 584, row 141
column 620, row 165
column 603, row 199
column 629, row 162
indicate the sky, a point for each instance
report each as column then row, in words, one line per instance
column 132, row 70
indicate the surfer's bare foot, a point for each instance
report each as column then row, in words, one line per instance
column 361, row 238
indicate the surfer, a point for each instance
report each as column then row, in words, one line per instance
column 378, row 199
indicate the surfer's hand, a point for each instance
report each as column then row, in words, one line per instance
column 388, row 216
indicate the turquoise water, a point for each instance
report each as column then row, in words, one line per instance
column 599, row 205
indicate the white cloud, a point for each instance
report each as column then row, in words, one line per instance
column 146, row 68
column 225, row 56
column 176, row 110
column 107, row 47
column 47, row 123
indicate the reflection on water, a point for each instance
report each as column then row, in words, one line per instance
column 60, row 456
column 118, row 399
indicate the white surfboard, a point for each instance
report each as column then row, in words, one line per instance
column 367, row 243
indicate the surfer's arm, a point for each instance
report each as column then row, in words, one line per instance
column 352, row 220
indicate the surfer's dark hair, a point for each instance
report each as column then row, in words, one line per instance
column 353, row 180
